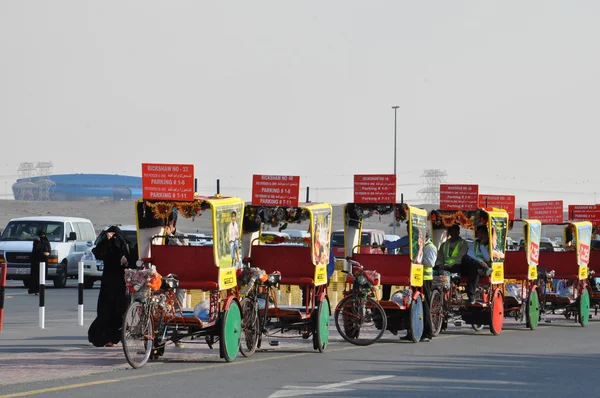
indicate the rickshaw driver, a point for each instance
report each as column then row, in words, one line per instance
column 451, row 252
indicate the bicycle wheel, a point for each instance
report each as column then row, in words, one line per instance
column 436, row 312
column 137, row 335
column 250, row 327
column 360, row 321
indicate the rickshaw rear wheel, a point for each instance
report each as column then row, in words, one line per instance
column 231, row 330
column 321, row 334
column 349, row 309
column 496, row 312
column 533, row 309
column 584, row 307
column 250, row 327
column 136, row 335
column 415, row 331
column 436, row 310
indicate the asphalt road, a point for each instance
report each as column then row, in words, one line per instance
column 554, row 360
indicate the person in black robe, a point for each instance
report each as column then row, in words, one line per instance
column 115, row 252
column 39, row 254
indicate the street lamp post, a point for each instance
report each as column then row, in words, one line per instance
column 395, row 108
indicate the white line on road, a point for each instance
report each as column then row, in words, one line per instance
column 295, row 391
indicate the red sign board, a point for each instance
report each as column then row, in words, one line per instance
column 168, row 182
column 534, row 251
column 547, row 212
column 585, row 213
column 506, row 202
column 584, row 254
column 459, row 197
column 374, row 188
column 269, row 190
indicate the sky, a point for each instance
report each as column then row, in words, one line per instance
column 504, row 94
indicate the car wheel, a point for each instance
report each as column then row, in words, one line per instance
column 61, row 278
column 88, row 283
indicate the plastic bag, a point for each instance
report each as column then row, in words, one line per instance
column 514, row 290
column 202, row 310
column 400, row 295
column 566, row 291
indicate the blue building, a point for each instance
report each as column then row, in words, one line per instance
column 79, row 187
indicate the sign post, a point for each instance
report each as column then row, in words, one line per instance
column 274, row 190
column 374, row 188
column 459, row 196
column 506, row 202
column 547, row 212
column 168, row 182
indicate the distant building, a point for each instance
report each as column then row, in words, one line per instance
column 67, row 187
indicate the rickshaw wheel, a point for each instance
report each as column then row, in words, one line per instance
column 321, row 335
column 231, row 329
column 533, row 309
column 584, row 307
column 436, row 311
column 350, row 320
column 497, row 312
column 250, row 328
column 416, row 320
column 137, row 330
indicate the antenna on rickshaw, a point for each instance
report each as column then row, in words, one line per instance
column 218, row 186
column 307, row 194
column 520, row 212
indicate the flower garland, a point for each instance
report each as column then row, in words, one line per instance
column 163, row 210
column 358, row 212
column 275, row 216
column 445, row 219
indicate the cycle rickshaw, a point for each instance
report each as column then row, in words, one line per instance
column 360, row 308
column 570, row 292
column 523, row 297
column 287, row 261
column 155, row 317
column 448, row 302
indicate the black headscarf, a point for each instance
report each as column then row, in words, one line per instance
column 119, row 238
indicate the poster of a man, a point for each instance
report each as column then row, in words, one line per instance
column 228, row 239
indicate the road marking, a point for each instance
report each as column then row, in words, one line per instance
column 295, row 391
column 165, row 373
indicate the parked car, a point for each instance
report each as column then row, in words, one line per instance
column 70, row 238
column 368, row 238
column 92, row 268
column 392, row 238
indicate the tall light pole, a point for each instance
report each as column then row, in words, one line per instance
column 395, row 108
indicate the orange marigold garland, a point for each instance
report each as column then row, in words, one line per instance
column 163, row 210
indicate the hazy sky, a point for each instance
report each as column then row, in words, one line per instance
column 505, row 94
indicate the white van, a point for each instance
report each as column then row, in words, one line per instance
column 70, row 238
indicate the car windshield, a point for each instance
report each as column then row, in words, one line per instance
column 546, row 247
column 27, row 230
column 337, row 239
column 130, row 236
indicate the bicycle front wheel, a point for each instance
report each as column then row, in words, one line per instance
column 250, row 327
column 137, row 335
column 360, row 321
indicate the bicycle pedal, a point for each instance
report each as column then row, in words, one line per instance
column 273, row 343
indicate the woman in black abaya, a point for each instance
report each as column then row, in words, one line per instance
column 112, row 300
column 39, row 254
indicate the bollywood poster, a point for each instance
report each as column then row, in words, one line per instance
column 418, row 235
column 583, row 239
column 227, row 239
column 533, row 234
column 497, row 236
column 320, row 219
